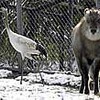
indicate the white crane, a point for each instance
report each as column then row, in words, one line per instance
column 25, row 46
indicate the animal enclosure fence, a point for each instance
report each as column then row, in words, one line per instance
column 49, row 22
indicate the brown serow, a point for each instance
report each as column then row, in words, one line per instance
column 86, row 47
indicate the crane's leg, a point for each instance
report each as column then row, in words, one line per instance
column 39, row 66
column 22, row 65
column 41, row 78
column 41, row 62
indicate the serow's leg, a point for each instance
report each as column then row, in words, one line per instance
column 84, row 82
column 95, row 72
column 96, row 89
column 82, row 85
column 85, row 78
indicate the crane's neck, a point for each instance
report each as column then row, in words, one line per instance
column 10, row 33
column 6, row 20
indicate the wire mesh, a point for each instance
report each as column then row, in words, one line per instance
column 49, row 22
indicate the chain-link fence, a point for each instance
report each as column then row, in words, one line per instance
column 49, row 22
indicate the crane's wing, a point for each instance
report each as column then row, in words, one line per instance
column 28, row 43
column 31, row 46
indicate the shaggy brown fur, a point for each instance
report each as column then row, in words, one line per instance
column 86, row 46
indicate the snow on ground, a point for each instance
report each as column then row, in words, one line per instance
column 57, row 78
column 5, row 73
column 10, row 89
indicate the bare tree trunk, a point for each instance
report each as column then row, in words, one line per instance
column 20, row 31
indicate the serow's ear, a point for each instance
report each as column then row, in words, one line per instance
column 86, row 10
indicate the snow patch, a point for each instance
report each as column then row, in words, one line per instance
column 5, row 73
column 10, row 89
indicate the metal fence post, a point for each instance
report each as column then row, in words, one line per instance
column 71, row 4
column 20, row 31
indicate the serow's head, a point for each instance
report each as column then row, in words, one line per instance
column 92, row 17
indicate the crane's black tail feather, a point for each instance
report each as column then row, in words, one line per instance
column 41, row 49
